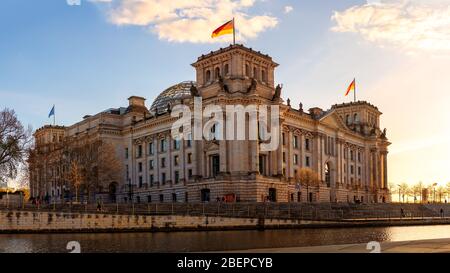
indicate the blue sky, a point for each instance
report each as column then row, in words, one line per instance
column 91, row 57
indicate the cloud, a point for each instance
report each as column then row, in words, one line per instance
column 288, row 9
column 408, row 25
column 188, row 20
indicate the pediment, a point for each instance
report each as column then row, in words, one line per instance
column 333, row 120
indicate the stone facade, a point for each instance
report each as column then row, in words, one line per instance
column 343, row 145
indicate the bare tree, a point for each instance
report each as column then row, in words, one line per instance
column 75, row 177
column 308, row 178
column 404, row 191
column 417, row 191
column 14, row 143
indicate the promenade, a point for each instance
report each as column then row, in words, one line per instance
column 420, row 246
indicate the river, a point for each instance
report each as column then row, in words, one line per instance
column 215, row 240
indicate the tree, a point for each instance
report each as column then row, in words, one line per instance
column 75, row 176
column 404, row 191
column 417, row 191
column 440, row 191
column 308, row 178
column 14, row 144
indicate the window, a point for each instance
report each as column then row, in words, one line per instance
column 126, row 153
column 161, row 198
column 208, row 76
column 255, row 73
column 263, row 75
column 351, row 156
column 149, row 198
column 140, row 181
column 284, row 157
column 151, row 164
column 217, row 73
column 174, row 197
column 347, row 119
column 359, row 156
column 176, row 160
column 328, row 175
column 307, row 144
column 215, row 162
column 186, row 197
column 163, row 162
column 247, row 70
column 189, row 158
column 162, row 145
column 176, row 144
column 163, row 178
column 152, row 178
column 352, row 169
column 307, row 163
column 140, row 167
column 355, row 118
column 150, row 148
column 128, row 171
column 295, row 142
column 139, row 151
column 205, row 195
column 177, row 177
column 190, row 173
column 284, row 138
column 138, row 199
column 359, row 170
column 226, row 70
column 295, row 159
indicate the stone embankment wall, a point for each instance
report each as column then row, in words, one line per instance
column 28, row 221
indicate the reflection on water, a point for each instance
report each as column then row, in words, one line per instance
column 215, row 240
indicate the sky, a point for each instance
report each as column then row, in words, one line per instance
column 85, row 56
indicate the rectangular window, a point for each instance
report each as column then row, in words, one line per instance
column 149, row 198
column 190, row 173
column 352, row 169
column 177, row 177
column 140, row 182
column 295, row 159
column 126, row 153
column 152, row 178
column 176, row 144
column 140, row 167
column 307, row 163
column 359, row 170
column 359, row 156
column 174, row 197
column 151, row 164
column 139, row 151
column 307, row 144
column 163, row 178
column 189, row 158
column 215, row 160
column 161, row 198
column 163, row 162
column 284, row 139
column 176, row 160
column 284, row 157
column 150, row 148
column 128, row 171
column 295, row 142
column 162, row 145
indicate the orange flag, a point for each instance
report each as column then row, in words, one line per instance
column 351, row 87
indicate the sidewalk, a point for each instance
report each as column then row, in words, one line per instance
column 422, row 246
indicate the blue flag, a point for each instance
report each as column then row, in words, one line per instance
column 52, row 112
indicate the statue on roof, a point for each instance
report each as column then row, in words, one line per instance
column 194, row 91
column 223, row 86
column 277, row 94
column 383, row 134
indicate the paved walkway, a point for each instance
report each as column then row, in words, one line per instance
column 422, row 246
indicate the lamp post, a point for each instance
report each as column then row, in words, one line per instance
column 434, row 192
column 130, row 192
column 399, row 188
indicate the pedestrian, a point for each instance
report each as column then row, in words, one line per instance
column 402, row 212
column 99, row 205
column 442, row 213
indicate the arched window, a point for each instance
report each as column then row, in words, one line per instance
column 208, row 76
column 347, row 119
column 355, row 118
column 247, row 70
column 217, row 73
column 226, row 70
column 263, row 75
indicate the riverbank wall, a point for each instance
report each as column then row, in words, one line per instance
column 64, row 222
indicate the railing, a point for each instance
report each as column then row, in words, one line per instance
column 300, row 211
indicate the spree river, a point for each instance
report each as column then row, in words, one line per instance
column 216, row 240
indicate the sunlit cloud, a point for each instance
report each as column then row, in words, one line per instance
column 408, row 25
column 187, row 20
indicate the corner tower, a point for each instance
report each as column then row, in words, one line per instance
column 237, row 68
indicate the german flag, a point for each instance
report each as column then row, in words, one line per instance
column 351, row 87
column 227, row 28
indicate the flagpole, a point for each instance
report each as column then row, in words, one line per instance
column 234, row 32
column 354, row 93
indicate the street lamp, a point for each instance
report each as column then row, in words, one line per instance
column 399, row 188
column 434, row 192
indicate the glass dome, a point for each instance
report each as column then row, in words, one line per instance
column 177, row 92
